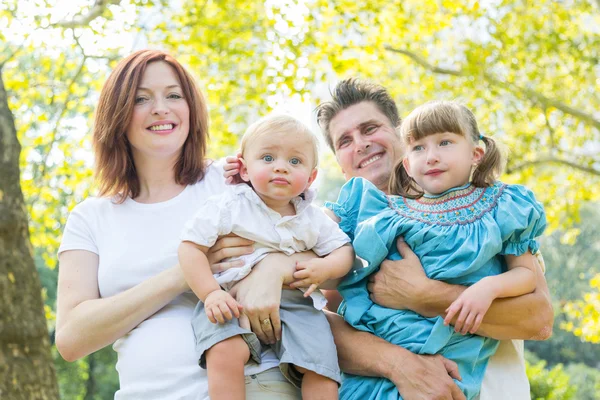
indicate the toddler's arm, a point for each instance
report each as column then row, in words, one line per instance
column 475, row 301
column 313, row 272
column 218, row 304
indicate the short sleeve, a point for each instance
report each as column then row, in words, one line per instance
column 358, row 199
column 78, row 233
column 213, row 219
column 331, row 237
column 521, row 219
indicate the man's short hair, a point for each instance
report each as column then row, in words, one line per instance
column 353, row 91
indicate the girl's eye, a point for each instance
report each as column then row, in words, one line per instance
column 444, row 143
column 418, row 148
column 267, row 158
column 295, row 161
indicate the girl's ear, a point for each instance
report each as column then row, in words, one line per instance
column 311, row 178
column 478, row 154
column 406, row 166
column 244, row 170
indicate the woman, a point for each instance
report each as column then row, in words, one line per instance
column 119, row 281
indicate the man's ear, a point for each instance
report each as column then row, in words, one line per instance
column 478, row 154
column 311, row 178
column 244, row 170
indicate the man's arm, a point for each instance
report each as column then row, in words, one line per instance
column 416, row 377
column 404, row 285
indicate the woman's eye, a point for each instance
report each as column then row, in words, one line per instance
column 140, row 100
column 175, row 96
column 267, row 158
column 295, row 161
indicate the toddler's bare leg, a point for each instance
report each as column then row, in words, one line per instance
column 225, row 369
column 317, row 387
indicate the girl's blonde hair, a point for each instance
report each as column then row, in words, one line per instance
column 279, row 123
column 439, row 117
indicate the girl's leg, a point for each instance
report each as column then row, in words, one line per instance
column 225, row 369
column 317, row 387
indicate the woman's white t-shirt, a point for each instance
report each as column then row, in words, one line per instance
column 135, row 241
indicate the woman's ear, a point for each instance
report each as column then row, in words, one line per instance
column 244, row 170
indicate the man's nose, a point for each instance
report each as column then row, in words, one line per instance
column 362, row 144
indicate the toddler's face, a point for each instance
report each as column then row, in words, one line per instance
column 280, row 166
column 441, row 161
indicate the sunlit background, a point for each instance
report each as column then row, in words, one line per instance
column 529, row 70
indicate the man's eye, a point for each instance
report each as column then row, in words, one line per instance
column 267, row 158
column 343, row 143
column 371, row 128
column 295, row 161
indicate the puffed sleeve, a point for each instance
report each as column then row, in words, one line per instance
column 213, row 219
column 358, row 200
column 521, row 219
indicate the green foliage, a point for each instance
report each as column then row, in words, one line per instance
column 586, row 380
column 547, row 384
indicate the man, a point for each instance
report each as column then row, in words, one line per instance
column 358, row 124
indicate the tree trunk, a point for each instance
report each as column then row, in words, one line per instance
column 26, row 367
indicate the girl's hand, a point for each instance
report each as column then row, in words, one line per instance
column 220, row 306
column 225, row 248
column 310, row 274
column 470, row 307
column 232, row 169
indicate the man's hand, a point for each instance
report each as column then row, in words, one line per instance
column 425, row 377
column 232, row 169
column 401, row 284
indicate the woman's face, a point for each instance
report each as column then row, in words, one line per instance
column 160, row 122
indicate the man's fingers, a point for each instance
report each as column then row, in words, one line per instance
column 457, row 394
column 451, row 368
column 404, row 249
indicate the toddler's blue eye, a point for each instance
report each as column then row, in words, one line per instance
column 267, row 158
column 295, row 161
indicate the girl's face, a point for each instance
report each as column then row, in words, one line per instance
column 160, row 122
column 280, row 166
column 441, row 161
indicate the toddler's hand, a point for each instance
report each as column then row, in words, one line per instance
column 232, row 169
column 220, row 306
column 310, row 273
column 470, row 306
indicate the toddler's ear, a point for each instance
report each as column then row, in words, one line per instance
column 312, row 177
column 244, row 170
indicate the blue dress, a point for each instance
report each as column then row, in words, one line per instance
column 460, row 237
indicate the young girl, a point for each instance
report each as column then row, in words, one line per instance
column 279, row 159
column 466, row 227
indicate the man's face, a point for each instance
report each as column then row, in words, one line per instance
column 366, row 144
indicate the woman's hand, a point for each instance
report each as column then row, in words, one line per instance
column 226, row 247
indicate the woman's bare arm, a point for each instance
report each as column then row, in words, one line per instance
column 85, row 322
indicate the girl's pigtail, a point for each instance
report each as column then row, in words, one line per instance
column 401, row 184
column 490, row 167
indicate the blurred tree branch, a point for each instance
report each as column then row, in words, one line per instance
column 84, row 19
